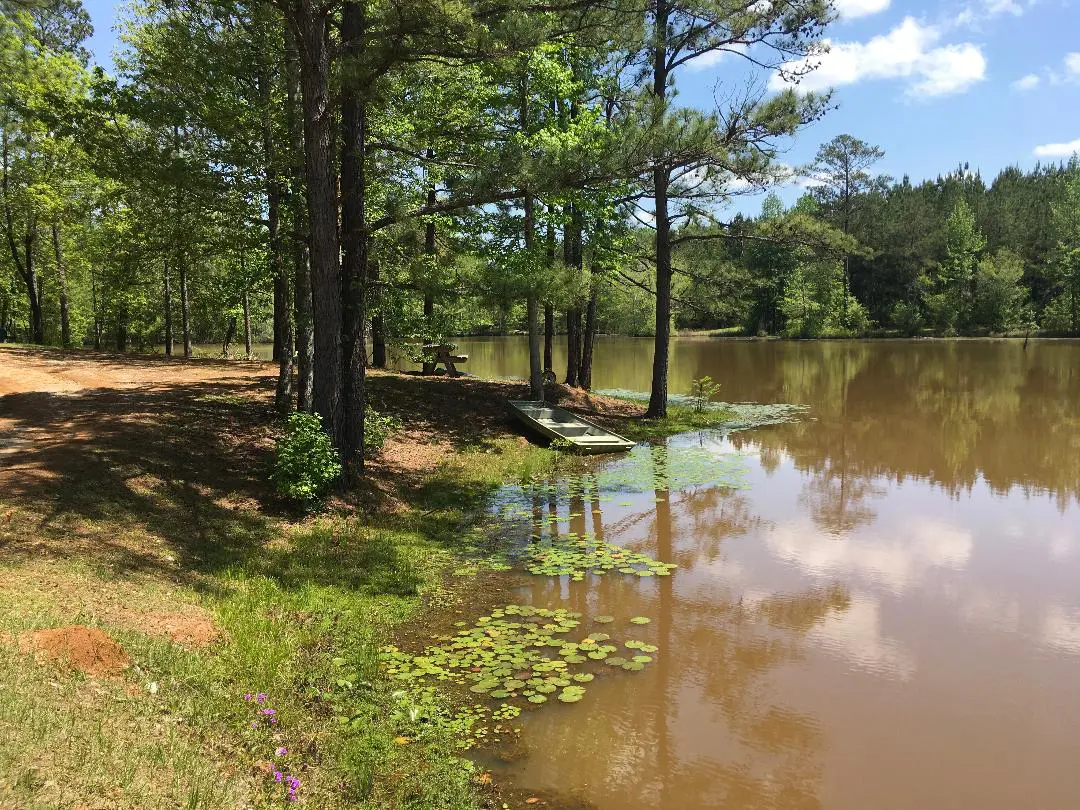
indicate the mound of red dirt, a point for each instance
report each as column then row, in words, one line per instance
column 87, row 649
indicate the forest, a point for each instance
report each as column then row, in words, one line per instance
column 354, row 179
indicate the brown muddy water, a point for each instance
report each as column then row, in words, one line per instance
column 886, row 614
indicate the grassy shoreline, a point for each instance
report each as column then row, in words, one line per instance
column 137, row 507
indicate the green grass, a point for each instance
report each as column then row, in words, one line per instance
column 298, row 606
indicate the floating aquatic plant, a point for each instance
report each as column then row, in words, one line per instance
column 576, row 555
column 517, row 654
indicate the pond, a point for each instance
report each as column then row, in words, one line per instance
column 882, row 611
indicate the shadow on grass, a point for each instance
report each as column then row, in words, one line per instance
column 172, row 478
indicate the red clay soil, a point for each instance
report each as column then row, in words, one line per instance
column 86, row 649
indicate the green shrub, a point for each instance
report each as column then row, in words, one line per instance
column 907, row 317
column 306, row 463
column 376, row 428
column 702, row 390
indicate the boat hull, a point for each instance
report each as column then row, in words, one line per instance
column 558, row 424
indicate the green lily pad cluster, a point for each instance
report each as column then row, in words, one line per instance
column 576, row 555
column 518, row 655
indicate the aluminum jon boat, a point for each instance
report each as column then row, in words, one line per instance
column 556, row 423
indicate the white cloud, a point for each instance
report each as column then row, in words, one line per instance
column 1072, row 63
column 910, row 51
column 1058, row 149
column 856, row 635
column 1029, row 82
column 850, row 9
column 995, row 7
column 1061, row 628
column 987, row 10
column 894, row 563
column 711, row 58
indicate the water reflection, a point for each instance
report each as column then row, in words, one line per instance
column 950, row 412
column 883, row 612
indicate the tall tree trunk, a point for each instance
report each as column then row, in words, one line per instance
column 536, row 379
column 572, row 257
column 299, row 238
column 354, row 245
column 33, row 288
column 280, row 314
column 378, row 327
column 230, row 333
column 282, row 299
column 61, row 276
column 573, row 345
column 185, row 308
column 167, row 304
column 661, row 179
column 429, row 251
column 247, row 325
column 97, row 310
column 24, row 266
column 588, row 341
column 312, row 28
column 549, row 309
column 549, row 337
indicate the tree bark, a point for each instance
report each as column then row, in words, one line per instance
column 536, row 379
column 247, row 325
column 661, row 178
column 230, row 333
column 97, row 311
column 61, row 277
column 312, row 29
column 572, row 258
column 549, row 337
column 185, row 309
column 429, row 251
column 167, row 304
column 24, row 266
column 299, row 240
column 588, row 341
column 378, row 327
column 354, row 246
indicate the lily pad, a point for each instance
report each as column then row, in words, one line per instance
column 604, row 619
column 640, row 620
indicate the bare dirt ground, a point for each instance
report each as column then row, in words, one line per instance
column 149, row 441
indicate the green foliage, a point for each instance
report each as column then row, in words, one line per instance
column 1000, row 300
column 907, row 317
column 377, row 428
column 702, row 390
column 306, row 464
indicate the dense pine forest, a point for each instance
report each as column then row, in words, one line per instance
column 337, row 176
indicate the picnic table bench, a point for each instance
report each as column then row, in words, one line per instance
column 436, row 354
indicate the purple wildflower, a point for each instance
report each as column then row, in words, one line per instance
column 269, row 712
column 248, row 697
column 280, row 752
column 254, row 724
column 277, row 776
column 260, row 698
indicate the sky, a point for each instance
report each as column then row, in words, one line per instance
column 991, row 83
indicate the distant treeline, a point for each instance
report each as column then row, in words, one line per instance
column 947, row 256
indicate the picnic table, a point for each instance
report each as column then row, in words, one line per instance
column 436, row 354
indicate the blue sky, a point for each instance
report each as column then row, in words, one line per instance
column 990, row 82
